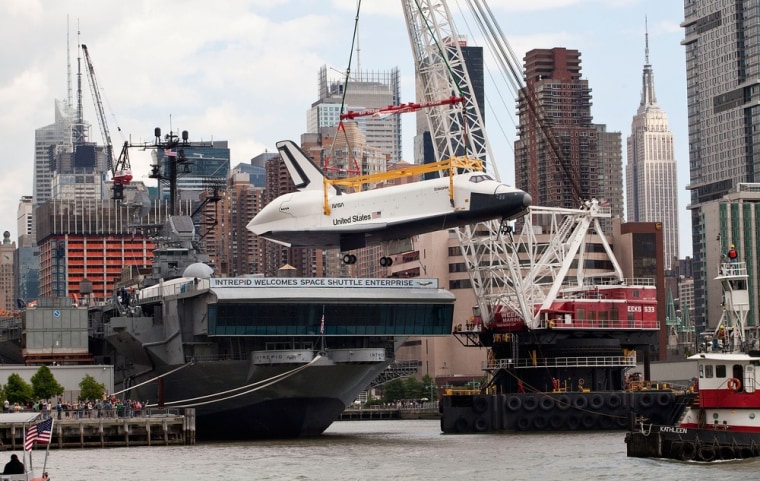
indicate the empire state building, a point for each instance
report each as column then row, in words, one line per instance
column 651, row 187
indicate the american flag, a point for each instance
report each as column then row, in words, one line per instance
column 40, row 432
column 322, row 325
column 170, row 153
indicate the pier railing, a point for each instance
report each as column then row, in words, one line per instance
column 93, row 428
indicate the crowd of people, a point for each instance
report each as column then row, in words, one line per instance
column 108, row 407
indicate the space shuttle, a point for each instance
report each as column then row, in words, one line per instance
column 358, row 219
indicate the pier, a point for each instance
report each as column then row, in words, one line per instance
column 363, row 413
column 151, row 427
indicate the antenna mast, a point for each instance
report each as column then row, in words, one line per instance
column 68, row 62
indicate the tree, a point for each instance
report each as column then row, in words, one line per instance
column 89, row 388
column 44, row 384
column 17, row 390
column 412, row 388
column 393, row 390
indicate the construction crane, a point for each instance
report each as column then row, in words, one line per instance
column 440, row 69
column 509, row 278
column 120, row 168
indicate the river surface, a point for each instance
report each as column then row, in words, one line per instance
column 389, row 450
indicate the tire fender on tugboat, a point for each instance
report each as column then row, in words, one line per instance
column 688, row 451
column 573, row 423
column 481, row 424
column 547, row 403
column 706, row 453
column 530, row 403
column 480, row 404
column 540, row 422
column 580, row 402
column 524, row 422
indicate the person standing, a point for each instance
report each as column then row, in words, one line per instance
column 733, row 256
column 14, row 466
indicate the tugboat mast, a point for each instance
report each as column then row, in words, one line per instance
column 731, row 328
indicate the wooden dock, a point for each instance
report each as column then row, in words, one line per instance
column 151, row 428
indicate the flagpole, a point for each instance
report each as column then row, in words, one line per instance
column 28, row 467
column 47, row 450
column 322, row 331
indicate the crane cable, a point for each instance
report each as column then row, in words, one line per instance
column 341, row 126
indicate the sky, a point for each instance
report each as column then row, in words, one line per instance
column 245, row 71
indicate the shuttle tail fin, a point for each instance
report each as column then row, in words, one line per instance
column 305, row 174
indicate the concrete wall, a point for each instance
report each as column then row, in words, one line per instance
column 67, row 376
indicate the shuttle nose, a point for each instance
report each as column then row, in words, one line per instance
column 510, row 192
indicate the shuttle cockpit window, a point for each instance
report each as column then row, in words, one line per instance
column 480, row 178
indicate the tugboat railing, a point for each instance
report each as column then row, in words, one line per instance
column 586, row 361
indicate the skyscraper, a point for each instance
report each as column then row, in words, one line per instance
column 610, row 173
column 651, row 187
column 364, row 90
column 722, row 47
column 561, row 157
column 49, row 141
column 556, row 172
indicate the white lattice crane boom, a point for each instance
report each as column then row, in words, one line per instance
column 511, row 277
column 441, row 72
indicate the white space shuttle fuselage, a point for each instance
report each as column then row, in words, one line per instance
column 363, row 218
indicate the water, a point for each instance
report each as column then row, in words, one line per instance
column 390, row 450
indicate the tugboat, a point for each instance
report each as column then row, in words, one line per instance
column 722, row 422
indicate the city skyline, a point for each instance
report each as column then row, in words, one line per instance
column 247, row 73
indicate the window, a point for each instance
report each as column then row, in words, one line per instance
column 708, row 371
column 720, row 371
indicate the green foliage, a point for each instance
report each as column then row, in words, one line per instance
column 89, row 388
column 393, row 390
column 17, row 390
column 409, row 388
column 412, row 388
column 45, row 385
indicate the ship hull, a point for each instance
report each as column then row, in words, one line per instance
column 572, row 411
column 230, row 405
column 691, row 444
